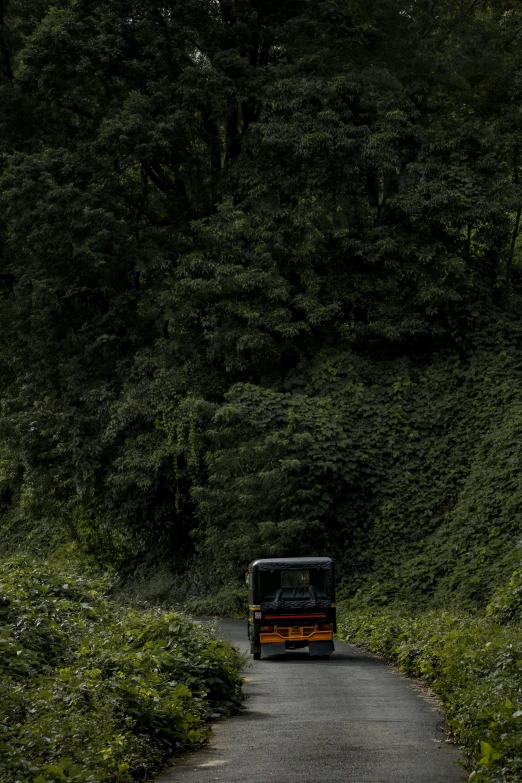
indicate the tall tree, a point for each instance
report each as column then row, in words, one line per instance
column 203, row 193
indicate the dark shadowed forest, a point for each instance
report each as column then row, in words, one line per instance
column 261, row 294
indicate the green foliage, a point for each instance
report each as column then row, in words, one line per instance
column 227, row 601
column 281, row 463
column 93, row 691
column 472, row 663
column 260, row 285
column 194, row 196
column 505, row 605
column 406, row 470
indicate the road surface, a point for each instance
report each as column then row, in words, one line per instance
column 349, row 719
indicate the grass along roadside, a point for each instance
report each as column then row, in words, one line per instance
column 474, row 665
column 96, row 691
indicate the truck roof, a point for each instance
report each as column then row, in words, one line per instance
column 268, row 564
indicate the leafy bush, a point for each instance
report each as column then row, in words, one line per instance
column 406, row 470
column 472, row 663
column 93, row 691
column 228, row 601
column 506, row 603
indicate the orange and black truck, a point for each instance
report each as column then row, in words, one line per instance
column 291, row 605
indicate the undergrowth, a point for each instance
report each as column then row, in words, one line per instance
column 198, row 591
column 227, row 601
column 92, row 690
column 473, row 663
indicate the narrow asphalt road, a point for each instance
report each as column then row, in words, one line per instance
column 350, row 718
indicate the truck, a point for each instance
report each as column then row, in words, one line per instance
column 291, row 605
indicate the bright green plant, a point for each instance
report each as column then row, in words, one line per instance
column 473, row 664
column 92, row 691
column 505, row 605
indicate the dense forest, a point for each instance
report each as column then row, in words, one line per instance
column 260, row 294
column 261, row 279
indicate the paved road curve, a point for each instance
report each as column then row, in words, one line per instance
column 350, row 718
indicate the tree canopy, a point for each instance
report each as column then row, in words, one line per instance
column 201, row 199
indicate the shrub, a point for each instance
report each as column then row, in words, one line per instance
column 228, row 601
column 472, row 663
column 94, row 691
column 505, row 605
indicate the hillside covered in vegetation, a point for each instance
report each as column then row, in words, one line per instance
column 260, row 292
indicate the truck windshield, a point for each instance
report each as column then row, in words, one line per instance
column 295, row 578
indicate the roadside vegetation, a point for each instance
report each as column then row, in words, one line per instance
column 94, row 691
column 228, row 601
column 473, row 662
column 260, row 295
